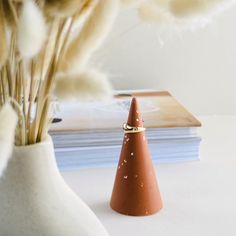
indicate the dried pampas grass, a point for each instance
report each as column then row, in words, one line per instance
column 3, row 40
column 182, row 8
column 89, row 85
column 8, row 121
column 204, row 8
column 31, row 32
column 9, row 17
column 63, row 8
column 150, row 12
column 91, row 36
column 181, row 14
column 130, row 3
column 37, row 43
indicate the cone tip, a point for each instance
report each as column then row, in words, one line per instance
column 134, row 104
column 134, row 100
column 135, row 118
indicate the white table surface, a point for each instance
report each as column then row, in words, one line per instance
column 199, row 197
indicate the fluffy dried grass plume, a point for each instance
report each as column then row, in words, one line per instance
column 63, row 8
column 204, row 8
column 31, row 32
column 91, row 36
column 88, row 85
column 151, row 12
column 130, row 3
column 181, row 13
column 8, row 121
column 182, row 8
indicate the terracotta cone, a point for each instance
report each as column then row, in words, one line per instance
column 135, row 191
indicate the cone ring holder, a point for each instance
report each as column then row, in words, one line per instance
column 135, row 190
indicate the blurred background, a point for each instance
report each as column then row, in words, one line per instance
column 198, row 67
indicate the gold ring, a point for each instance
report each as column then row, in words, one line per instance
column 131, row 129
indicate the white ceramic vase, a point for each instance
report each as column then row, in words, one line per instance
column 35, row 200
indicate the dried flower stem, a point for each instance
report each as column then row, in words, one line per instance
column 28, row 82
column 14, row 13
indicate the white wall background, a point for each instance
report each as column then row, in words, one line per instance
column 199, row 67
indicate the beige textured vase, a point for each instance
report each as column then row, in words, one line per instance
column 35, row 200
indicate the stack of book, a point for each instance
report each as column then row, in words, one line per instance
column 90, row 134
